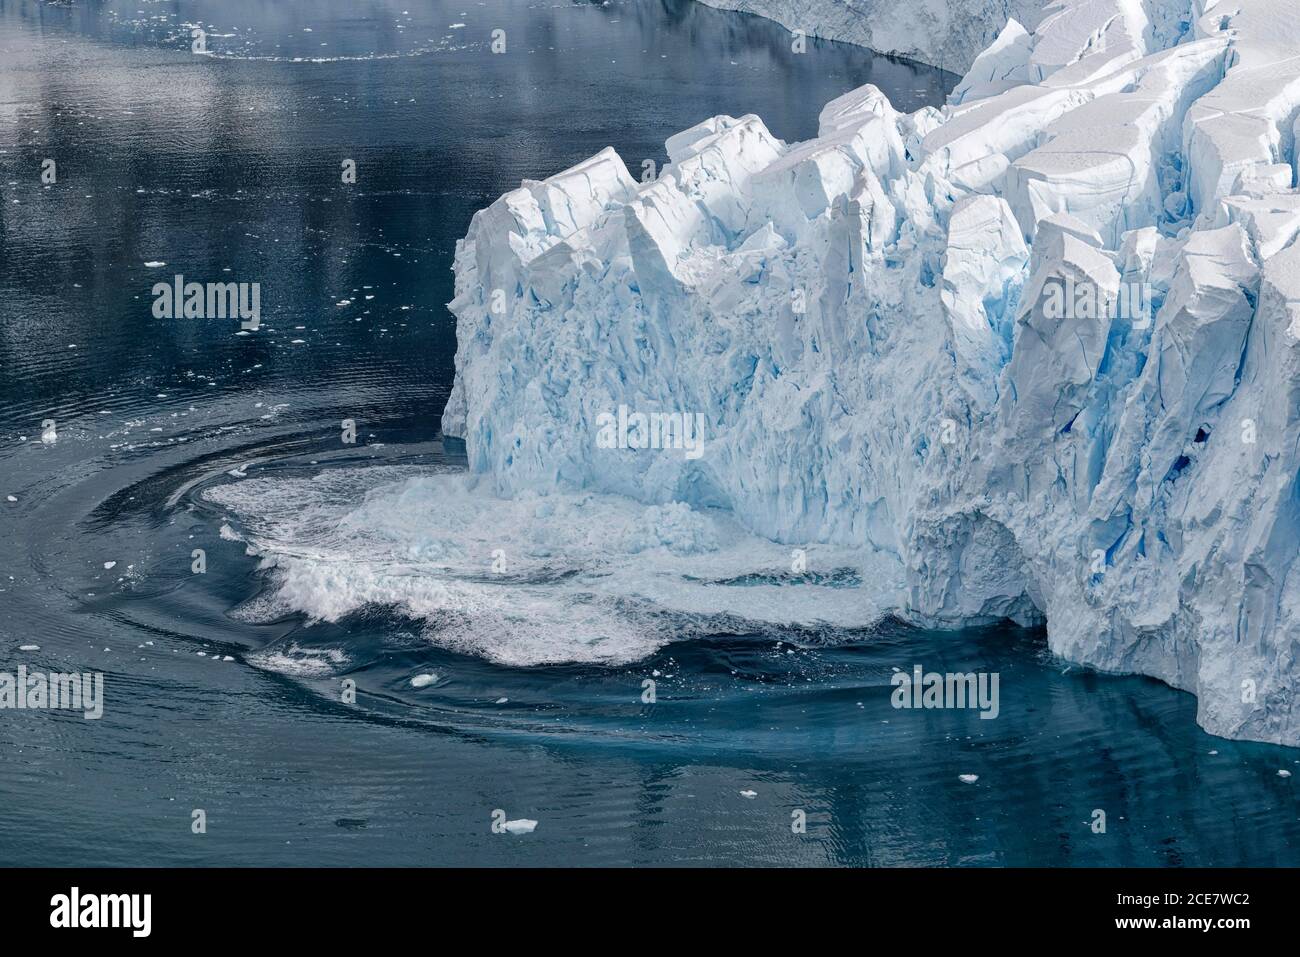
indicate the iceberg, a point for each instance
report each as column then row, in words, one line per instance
column 1034, row 356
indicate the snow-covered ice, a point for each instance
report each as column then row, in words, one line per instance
column 866, row 322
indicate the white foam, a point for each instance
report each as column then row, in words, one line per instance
column 299, row 662
column 541, row 579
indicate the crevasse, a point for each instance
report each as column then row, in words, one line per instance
column 866, row 322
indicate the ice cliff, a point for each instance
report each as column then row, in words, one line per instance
column 871, row 324
column 945, row 33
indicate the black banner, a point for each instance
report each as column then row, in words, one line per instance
column 367, row 906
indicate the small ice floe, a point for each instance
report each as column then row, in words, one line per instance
column 110, row 565
column 154, row 264
column 749, row 795
column 229, row 534
column 968, row 778
column 29, row 647
column 240, row 471
column 1214, row 752
column 502, row 700
column 456, row 26
column 11, row 498
column 423, row 681
column 1284, row 773
column 520, row 826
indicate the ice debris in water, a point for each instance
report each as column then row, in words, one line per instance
column 968, row 778
column 423, row 681
column 521, row 825
column 578, row 577
column 1032, row 356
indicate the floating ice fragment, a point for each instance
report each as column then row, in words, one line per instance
column 421, row 681
column 522, row 825
column 968, row 778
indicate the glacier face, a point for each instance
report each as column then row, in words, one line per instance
column 871, row 325
column 948, row 34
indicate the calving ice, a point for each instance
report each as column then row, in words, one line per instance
column 683, row 431
column 74, row 910
column 922, row 689
column 179, row 299
column 56, row 691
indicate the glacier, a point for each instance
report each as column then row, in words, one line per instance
column 870, row 323
column 948, row 34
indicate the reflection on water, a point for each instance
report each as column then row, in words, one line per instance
column 225, row 166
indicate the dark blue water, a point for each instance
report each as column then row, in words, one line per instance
column 225, row 166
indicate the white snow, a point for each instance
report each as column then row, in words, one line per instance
column 521, row 825
column 864, row 321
